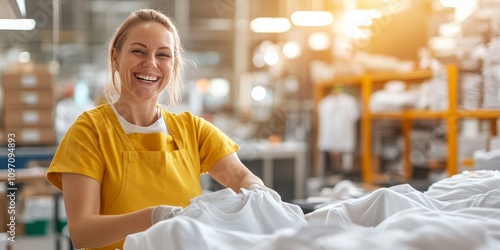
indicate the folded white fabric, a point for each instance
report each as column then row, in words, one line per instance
column 344, row 189
column 487, row 160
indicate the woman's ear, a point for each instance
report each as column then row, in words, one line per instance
column 114, row 58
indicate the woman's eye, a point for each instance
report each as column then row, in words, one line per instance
column 137, row 51
column 164, row 55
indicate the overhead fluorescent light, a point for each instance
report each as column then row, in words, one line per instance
column 312, row 18
column 17, row 24
column 270, row 25
column 22, row 7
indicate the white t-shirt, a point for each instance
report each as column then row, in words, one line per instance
column 183, row 232
column 158, row 126
column 464, row 185
column 414, row 228
column 337, row 123
column 372, row 209
column 244, row 216
column 253, row 211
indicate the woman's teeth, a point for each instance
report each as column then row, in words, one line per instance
column 147, row 78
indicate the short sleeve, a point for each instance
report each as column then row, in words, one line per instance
column 78, row 153
column 213, row 144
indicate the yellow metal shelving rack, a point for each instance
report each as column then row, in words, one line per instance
column 452, row 116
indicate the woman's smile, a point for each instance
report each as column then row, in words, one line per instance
column 146, row 78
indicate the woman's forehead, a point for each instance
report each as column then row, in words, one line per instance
column 150, row 33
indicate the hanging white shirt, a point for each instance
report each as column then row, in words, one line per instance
column 337, row 114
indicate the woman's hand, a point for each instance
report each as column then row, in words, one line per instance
column 164, row 212
column 260, row 186
column 87, row 227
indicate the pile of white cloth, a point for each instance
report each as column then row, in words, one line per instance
column 487, row 160
column 459, row 212
column 221, row 220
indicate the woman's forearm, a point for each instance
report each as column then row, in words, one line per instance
column 102, row 230
column 249, row 179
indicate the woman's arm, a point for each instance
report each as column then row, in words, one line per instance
column 82, row 198
column 230, row 172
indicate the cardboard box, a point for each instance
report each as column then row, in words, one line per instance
column 4, row 216
column 27, row 81
column 22, row 117
column 30, row 136
column 29, row 99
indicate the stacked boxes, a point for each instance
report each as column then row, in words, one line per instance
column 29, row 106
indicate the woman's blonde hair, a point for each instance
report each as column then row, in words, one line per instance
column 174, row 87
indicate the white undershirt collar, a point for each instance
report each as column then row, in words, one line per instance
column 157, row 127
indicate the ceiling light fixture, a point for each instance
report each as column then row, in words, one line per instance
column 312, row 13
column 17, row 24
column 270, row 25
column 312, row 18
column 270, row 18
column 22, row 7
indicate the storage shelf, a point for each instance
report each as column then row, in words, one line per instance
column 451, row 116
column 410, row 114
column 417, row 75
column 480, row 113
column 344, row 81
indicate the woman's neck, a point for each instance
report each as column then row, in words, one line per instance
column 141, row 114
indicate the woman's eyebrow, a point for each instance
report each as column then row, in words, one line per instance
column 143, row 45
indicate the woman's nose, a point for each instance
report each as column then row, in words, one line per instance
column 149, row 62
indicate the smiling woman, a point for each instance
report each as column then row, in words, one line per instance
column 161, row 54
column 130, row 163
column 145, row 64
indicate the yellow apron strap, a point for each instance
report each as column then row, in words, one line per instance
column 173, row 129
column 112, row 121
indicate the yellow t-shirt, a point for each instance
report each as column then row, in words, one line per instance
column 140, row 170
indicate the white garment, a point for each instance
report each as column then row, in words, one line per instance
column 399, row 217
column 229, row 210
column 337, row 115
column 487, row 160
column 158, row 127
column 415, row 228
column 372, row 209
column 236, row 219
column 464, row 185
column 395, row 97
column 183, row 232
